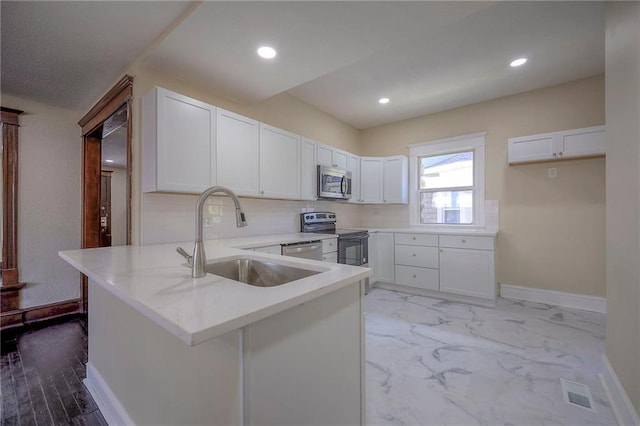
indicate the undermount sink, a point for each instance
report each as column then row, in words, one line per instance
column 257, row 272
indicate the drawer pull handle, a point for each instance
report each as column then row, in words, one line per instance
column 464, row 241
column 441, row 250
column 414, row 238
column 414, row 275
column 414, row 255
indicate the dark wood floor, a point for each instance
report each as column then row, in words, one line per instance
column 42, row 371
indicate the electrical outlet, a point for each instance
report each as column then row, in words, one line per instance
column 208, row 221
column 376, row 212
column 552, row 173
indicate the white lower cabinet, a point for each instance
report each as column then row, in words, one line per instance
column 330, row 250
column 383, row 263
column 450, row 264
column 416, row 260
column 467, row 272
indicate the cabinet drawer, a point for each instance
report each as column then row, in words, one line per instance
column 412, row 276
column 424, row 257
column 466, row 242
column 417, row 239
column 330, row 257
column 329, row 245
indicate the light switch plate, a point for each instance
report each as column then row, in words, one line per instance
column 552, row 172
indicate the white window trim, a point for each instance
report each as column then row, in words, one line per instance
column 475, row 142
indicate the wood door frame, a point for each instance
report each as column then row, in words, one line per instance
column 91, row 124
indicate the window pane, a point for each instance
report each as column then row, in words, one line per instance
column 446, row 171
column 446, row 207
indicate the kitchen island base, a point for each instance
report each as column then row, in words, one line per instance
column 304, row 365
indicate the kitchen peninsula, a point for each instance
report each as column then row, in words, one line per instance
column 165, row 348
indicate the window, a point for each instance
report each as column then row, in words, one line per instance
column 447, row 179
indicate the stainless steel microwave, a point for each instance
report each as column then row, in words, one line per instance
column 334, row 183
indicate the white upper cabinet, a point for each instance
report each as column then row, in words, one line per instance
column 354, row 168
column 332, row 157
column 371, row 179
column 308, row 170
column 395, row 184
column 178, row 143
column 569, row 144
column 384, row 180
column 279, row 163
column 238, row 153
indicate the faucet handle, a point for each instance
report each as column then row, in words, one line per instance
column 185, row 255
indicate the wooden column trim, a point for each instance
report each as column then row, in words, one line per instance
column 10, row 275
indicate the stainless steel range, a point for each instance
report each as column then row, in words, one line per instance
column 353, row 244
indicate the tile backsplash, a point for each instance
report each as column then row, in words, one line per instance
column 171, row 217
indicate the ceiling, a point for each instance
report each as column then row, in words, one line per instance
column 337, row 56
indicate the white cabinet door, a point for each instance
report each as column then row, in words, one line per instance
column 467, row 272
column 585, row 142
column 238, row 150
column 354, row 168
column 532, row 148
column 371, row 179
column 325, row 155
column 385, row 260
column 332, row 157
column 178, row 143
column 396, row 176
column 341, row 159
column 279, row 163
column 308, row 170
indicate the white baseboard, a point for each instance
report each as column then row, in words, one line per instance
column 111, row 409
column 623, row 409
column 557, row 298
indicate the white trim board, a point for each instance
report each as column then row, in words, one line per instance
column 621, row 405
column 557, row 298
column 111, row 409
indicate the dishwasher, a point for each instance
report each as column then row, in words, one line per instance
column 306, row 250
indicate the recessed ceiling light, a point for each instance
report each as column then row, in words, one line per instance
column 108, row 161
column 518, row 62
column 383, row 100
column 267, row 52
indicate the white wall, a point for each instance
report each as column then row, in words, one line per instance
column 623, row 193
column 49, row 201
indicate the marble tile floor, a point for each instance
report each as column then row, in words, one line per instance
column 432, row 362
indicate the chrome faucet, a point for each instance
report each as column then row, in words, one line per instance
column 199, row 260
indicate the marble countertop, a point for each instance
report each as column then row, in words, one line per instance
column 156, row 281
column 450, row 231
